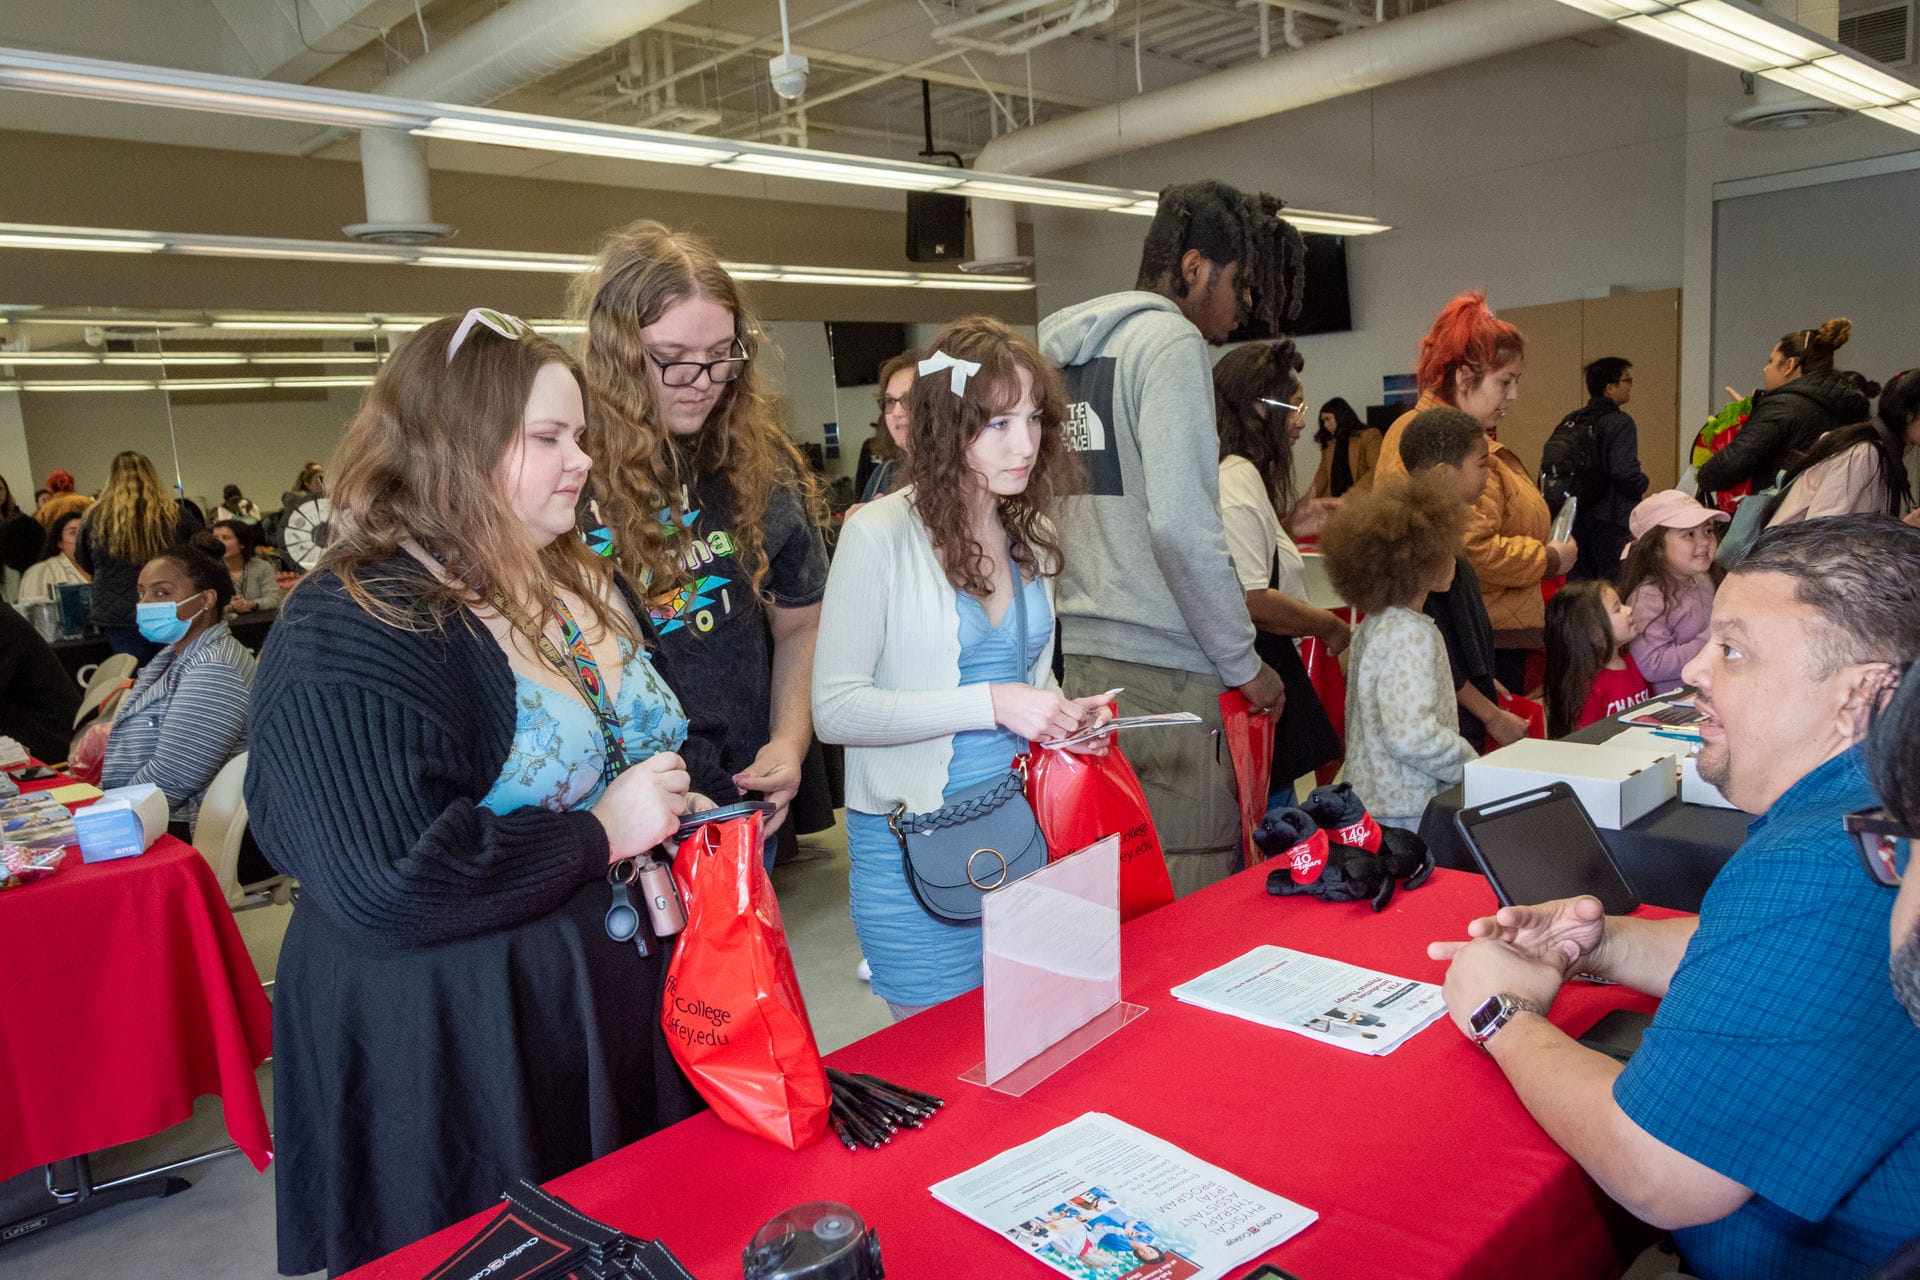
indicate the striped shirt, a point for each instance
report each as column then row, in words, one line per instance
column 185, row 717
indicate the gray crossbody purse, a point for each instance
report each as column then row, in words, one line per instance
column 985, row 838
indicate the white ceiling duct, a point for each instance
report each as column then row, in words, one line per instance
column 507, row 50
column 1435, row 40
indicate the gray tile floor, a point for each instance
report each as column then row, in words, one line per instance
column 222, row 1227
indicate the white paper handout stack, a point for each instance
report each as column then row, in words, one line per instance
column 1321, row 999
column 1098, row 1199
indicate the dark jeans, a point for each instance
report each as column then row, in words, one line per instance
column 129, row 640
column 1601, row 546
column 1510, row 669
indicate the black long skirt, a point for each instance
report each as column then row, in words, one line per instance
column 411, row 1087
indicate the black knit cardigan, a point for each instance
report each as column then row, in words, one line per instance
column 371, row 749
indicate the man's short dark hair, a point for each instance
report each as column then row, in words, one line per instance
column 1604, row 372
column 1435, row 436
column 1861, row 573
column 1227, row 226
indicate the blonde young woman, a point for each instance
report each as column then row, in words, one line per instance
column 431, row 759
column 707, row 501
column 134, row 521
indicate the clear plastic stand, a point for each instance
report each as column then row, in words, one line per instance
column 1051, row 986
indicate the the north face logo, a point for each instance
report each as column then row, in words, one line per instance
column 1084, row 431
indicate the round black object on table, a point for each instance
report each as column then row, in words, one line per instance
column 1669, row 856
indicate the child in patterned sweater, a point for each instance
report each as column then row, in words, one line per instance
column 1385, row 551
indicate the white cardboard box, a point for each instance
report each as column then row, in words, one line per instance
column 1697, row 790
column 1617, row 785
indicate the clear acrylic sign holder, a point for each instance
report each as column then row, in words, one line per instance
column 1051, row 988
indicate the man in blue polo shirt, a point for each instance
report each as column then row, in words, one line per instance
column 1771, row 1117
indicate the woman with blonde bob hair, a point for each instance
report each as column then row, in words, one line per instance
column 919, row 670
column 708, row 503
column 135, row 520
column 459, row 734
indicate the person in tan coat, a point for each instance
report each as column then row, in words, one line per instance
column 1472, row 361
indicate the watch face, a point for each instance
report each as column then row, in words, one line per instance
column 1486, row 1016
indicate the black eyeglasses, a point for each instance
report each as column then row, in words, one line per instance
column 684, row 373
column 1882, row 843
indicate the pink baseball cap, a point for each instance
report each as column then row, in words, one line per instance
column 1670, row 509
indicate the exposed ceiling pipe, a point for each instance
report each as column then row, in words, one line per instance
column 1449, row 36
column 507, row 50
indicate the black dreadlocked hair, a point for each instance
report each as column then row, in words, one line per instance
column 1227, row 226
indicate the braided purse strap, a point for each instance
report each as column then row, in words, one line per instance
column 966, row 810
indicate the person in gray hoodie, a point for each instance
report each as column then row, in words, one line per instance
column 1148, row 601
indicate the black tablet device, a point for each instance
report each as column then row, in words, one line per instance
column 1541, row 845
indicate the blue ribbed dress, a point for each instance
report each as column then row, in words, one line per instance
column 919, row 959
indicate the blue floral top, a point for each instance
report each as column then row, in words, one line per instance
column 558, row 760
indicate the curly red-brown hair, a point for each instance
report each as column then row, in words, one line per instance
column 1383, row 547
column 1466, row 335
column 942, row 426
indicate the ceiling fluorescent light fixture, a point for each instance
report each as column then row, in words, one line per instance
column 84, row 385
column 341, row 380
column 903, row 177
column 1061, row 194
column 1905, row 116
column 47, row 359
column 1754, row 40
column 561, row 263
column 15, row 236
column 270, row 324
column 289, row 253
column 151, row 86
column 609, row 140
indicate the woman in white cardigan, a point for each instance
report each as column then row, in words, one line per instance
column 918, row 667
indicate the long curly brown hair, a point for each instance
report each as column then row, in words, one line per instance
column 421, row 461
column 136, row 518
column 643, row 269
column 941, row 428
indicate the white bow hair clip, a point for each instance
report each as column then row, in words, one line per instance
column 958, row 370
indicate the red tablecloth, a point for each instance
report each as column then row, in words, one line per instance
column 125, row 993
column 1422, row 1164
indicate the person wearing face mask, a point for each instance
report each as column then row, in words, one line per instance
column 707, row 500
column 463, row 728
column 186, row 715
column 1472, row 361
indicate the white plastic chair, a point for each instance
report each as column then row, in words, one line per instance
column 107, row 676
column 218, row 832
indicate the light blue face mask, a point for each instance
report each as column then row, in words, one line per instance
column 160, row 622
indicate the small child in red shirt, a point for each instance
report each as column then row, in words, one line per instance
column 1590, row 674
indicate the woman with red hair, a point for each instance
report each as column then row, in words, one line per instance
column 1471, row 360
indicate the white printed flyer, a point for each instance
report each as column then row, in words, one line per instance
column 1322, row 999
column 1097, row 1199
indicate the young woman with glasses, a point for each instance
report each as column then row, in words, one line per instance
column 706, row 499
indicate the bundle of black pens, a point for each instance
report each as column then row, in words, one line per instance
column 868, row 1111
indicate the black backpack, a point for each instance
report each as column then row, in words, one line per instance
column 1570, row 460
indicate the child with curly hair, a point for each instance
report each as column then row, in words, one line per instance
column 1385, row 551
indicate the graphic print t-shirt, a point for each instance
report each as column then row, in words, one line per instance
column 714, row 629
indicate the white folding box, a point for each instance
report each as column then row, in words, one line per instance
column 1617, row 785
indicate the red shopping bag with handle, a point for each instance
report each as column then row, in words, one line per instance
column 1527, row 709
column 1249, row 735
column 1081, row 799
column 732, row 1012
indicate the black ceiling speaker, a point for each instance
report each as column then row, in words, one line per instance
column 936, row 227
column 936, row 222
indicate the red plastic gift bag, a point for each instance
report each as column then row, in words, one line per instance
column 1082, row 799
column 1527, row 709
column 733, row 1013
column 1249, row 737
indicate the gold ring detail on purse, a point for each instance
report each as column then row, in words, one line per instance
column 971, row 879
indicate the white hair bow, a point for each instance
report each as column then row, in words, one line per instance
column 958, row 370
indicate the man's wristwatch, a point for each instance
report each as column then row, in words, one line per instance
column 1496, row 1013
